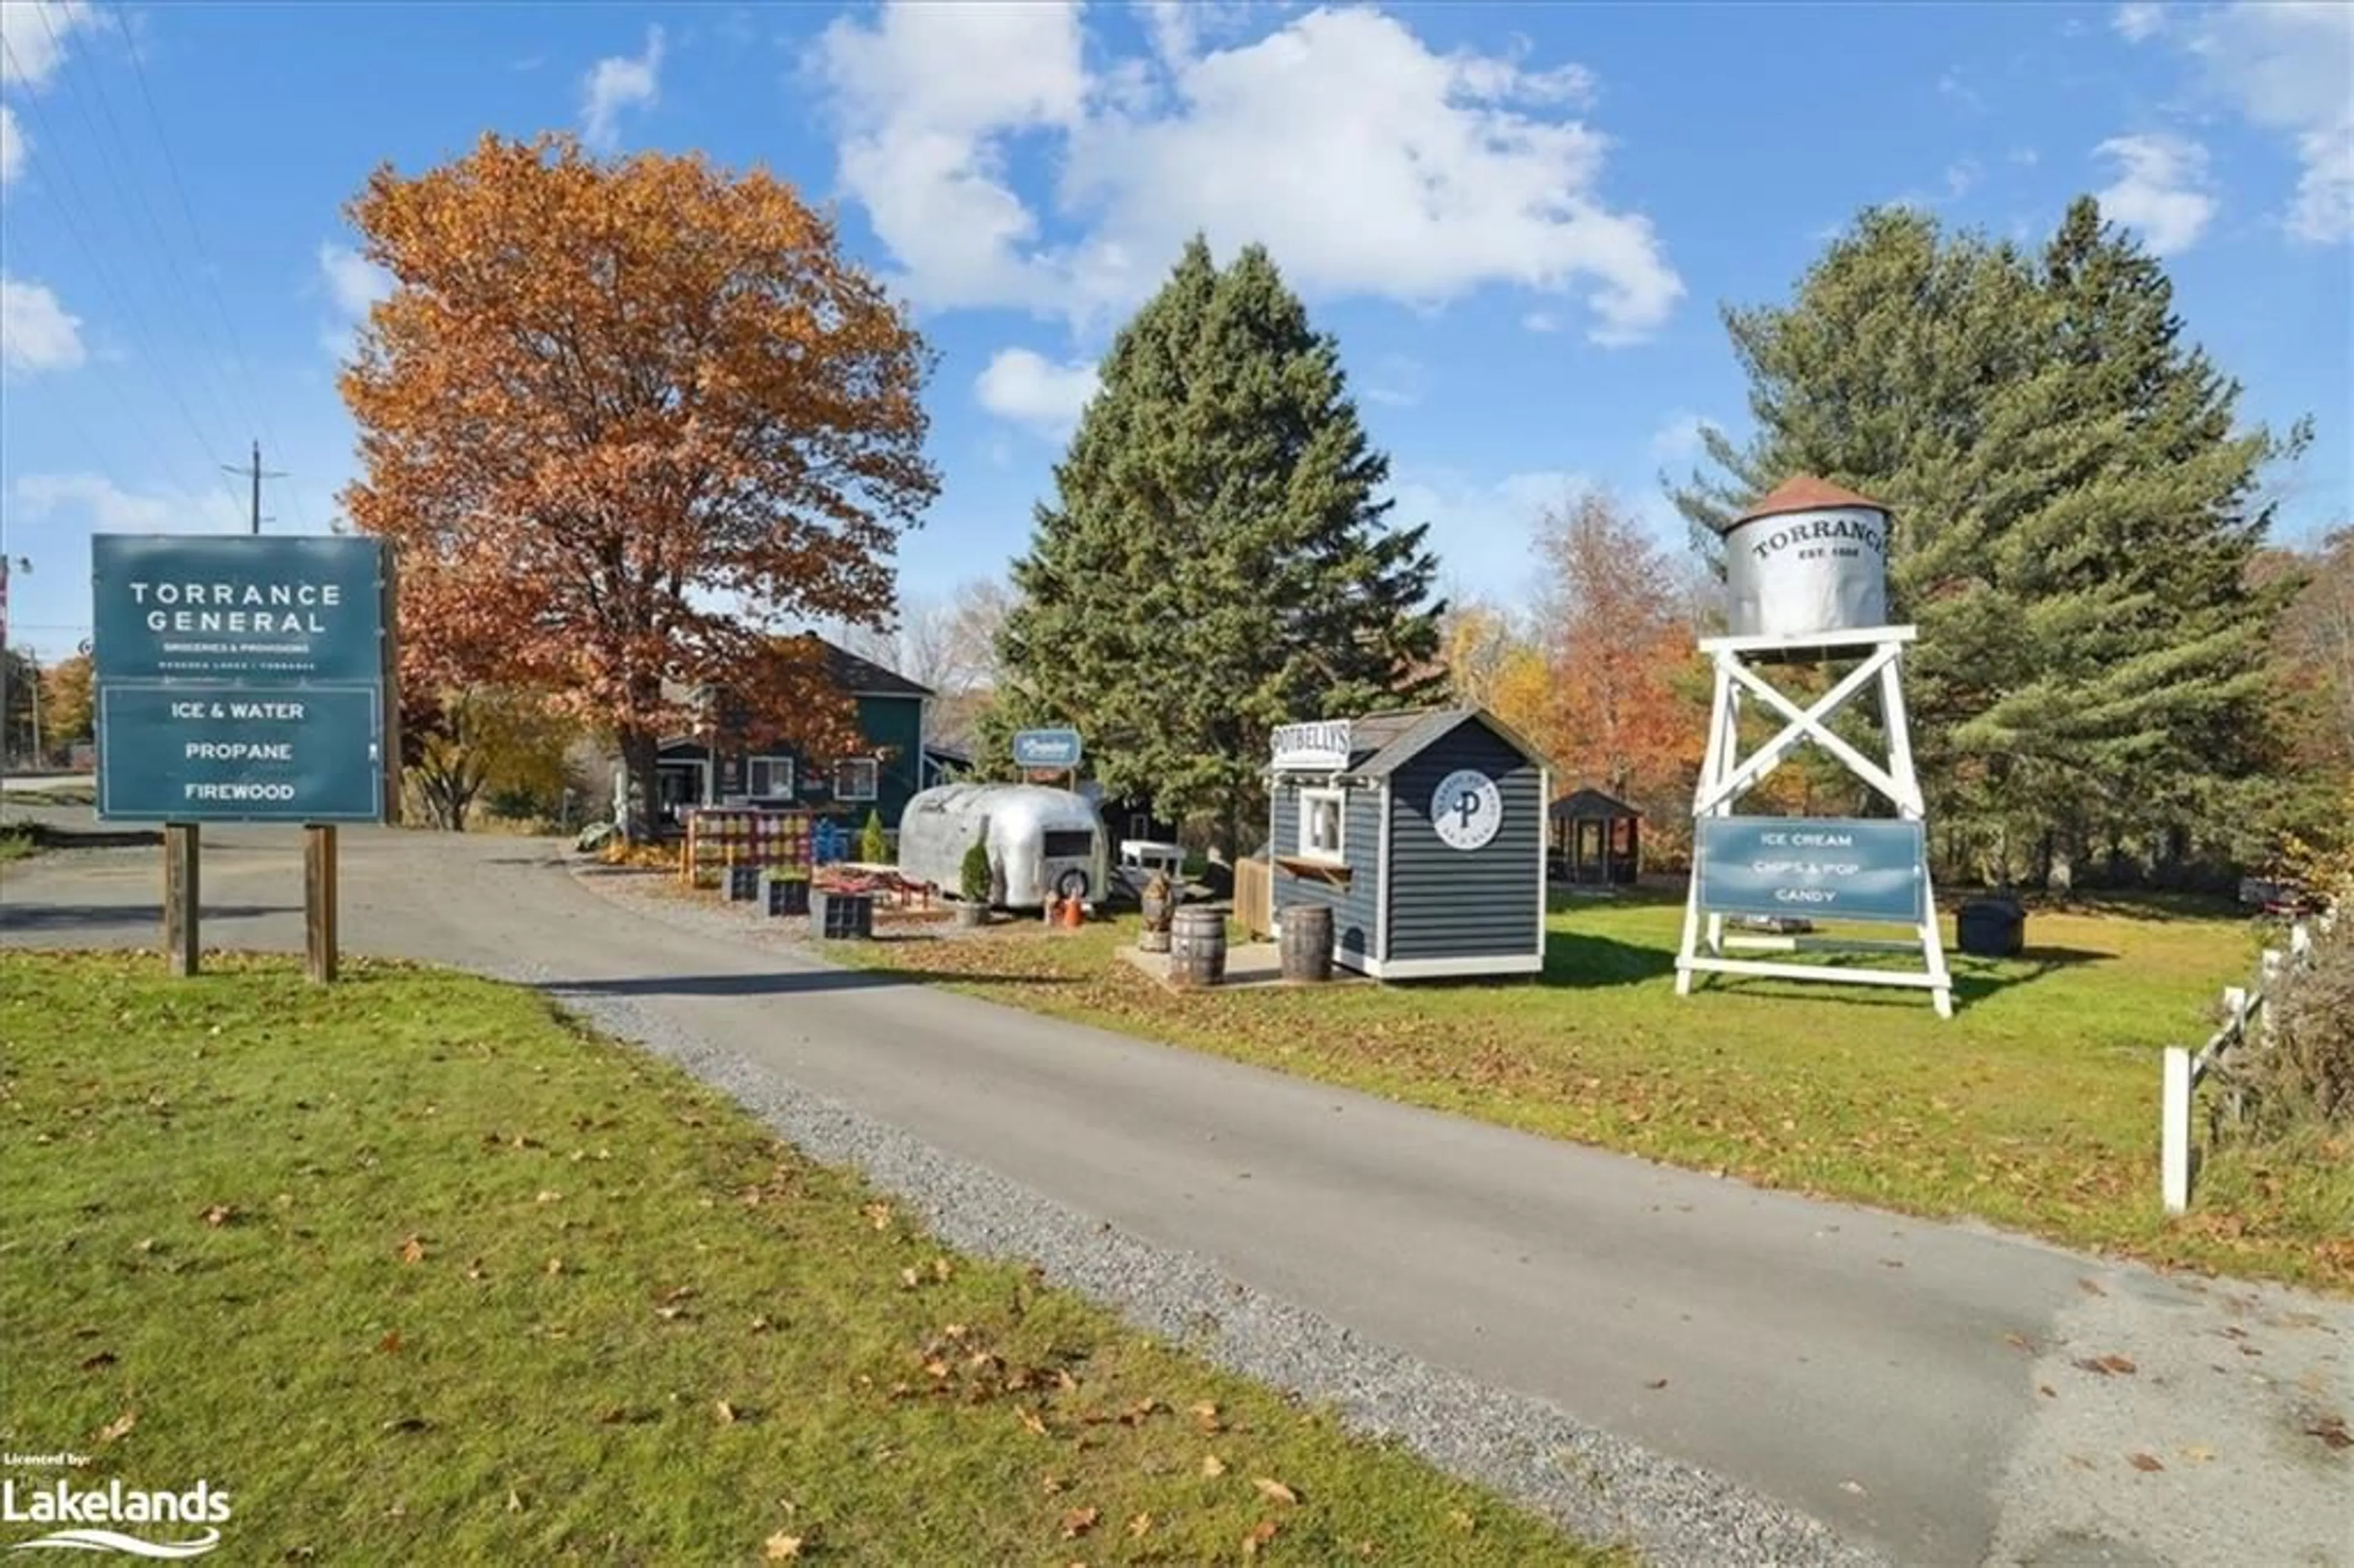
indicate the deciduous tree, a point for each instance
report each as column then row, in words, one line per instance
column 462, row 744
column 622, row 421
column 67, row 702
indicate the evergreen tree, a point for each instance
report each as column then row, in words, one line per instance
column 2075, row 518
column 1215, row 562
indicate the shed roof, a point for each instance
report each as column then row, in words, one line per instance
column 1805, row 492
column 863, row 677
column 1591, row 802
column 1380, row 744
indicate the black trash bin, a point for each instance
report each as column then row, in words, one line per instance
column 1991, row 927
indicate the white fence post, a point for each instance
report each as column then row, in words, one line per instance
column 2300, row 943
column 2174, row 1132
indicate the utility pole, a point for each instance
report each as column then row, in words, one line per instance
column 257, row 473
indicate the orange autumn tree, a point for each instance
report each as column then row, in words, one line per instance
column 1615, row 626
column 623, row 421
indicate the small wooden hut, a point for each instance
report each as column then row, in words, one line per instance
column 1597, row 840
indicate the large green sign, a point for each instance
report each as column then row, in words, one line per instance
column 192, row 752
column 241, row 678
column 237, row 607
column 1822, row 868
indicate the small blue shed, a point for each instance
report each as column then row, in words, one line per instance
column 1424, row 832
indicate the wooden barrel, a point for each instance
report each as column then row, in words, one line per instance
column 1308, row 942
column 1197, row 946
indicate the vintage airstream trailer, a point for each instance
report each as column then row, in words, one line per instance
column 1042, row 842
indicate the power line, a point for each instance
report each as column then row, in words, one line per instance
column 205, row 267
column 258, row 474
column 129, row 193
column 71, row 202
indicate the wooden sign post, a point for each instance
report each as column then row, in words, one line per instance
column 182, row 899
column 319, row 939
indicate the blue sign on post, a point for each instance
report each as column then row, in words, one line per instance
column 206, row 752
column 1827, row 868
column 1046, row 748
column 241, row 678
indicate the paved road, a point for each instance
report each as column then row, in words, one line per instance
column 1917, row 1387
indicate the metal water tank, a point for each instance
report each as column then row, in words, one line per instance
column 1808, row 557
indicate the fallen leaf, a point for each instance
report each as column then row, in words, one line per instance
column 941, row 1268
column 549, row 1195
column 2105, row 1365
column 725, row 1410
column 2019, row 1342
column 782, row 1548
column 1261, row 1533
column 1275, row 1490
column 2090, row 1287
column 1657, row 1383
column 1205, row 1416
column 1213, row 1466
column 1460, row 1520
column 1892, row 1263
column 2144, row 1461
column 103, row 1359
column 1030, row 1422
column 555, row 1265
column 514, row 1500
column 413, row 1250
column 1140, row 1526
column 219, row 1215
column 2047, row 1390
column 2332, row 1431
column 759, row 1325
column 1078, row 1522
column 474, row 1270
column 390, row 1343
column 2198, row 1454
column 908, row 1278
column 117, row 1427
column 1856, row 1487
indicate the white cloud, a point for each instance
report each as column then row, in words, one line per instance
column 2161, row 188
column 1679, row 440
column 353, row 283
column 1396, row 381
column 109, row 508
column 618, row 82
column 1030, row 389
column 36, row 333
column 1952, row 85
column 1405, row 174
column 11, row 146
column 34, row 32
column 2139, row 21
column 2290, row 70
column 1483, row 532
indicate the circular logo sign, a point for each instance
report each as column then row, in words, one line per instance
column 1467, row 809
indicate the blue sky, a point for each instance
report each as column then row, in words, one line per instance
column 1520, row 220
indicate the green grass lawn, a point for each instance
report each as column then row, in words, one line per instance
column 2035, row 1108
column 417, row 1273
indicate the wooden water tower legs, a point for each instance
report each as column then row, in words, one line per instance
column 1726, row 775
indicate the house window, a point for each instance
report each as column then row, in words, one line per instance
column 769, row 777
column 1320, row 836
column 856, row 779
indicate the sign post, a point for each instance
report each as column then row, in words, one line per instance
column 1048, row 751
column 243, row 679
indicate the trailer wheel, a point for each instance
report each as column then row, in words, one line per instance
column 1072, row 884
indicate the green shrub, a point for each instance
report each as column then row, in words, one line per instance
column 874, row 845
column 972, row 876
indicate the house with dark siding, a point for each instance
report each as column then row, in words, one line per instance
column 885, row 769
column 1424, row 832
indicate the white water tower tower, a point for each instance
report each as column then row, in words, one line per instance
column 1806, row 573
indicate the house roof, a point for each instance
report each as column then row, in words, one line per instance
column 1804, row 492
column 1591, row 803
column 1380, row 744
column 863, row 677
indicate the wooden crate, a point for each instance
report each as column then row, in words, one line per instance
column 1255, row 897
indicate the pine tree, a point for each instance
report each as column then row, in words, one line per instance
column 1215, row 561
column 2073, row 518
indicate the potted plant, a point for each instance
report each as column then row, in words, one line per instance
column 974, row 883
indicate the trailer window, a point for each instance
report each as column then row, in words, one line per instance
column 1070, row 844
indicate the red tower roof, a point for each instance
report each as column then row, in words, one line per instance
column 1805, row 492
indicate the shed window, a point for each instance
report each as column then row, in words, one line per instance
column 1320, row 836
column 769, row 777
column 855, row 779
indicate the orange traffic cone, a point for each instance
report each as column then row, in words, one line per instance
column 1074, row 913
